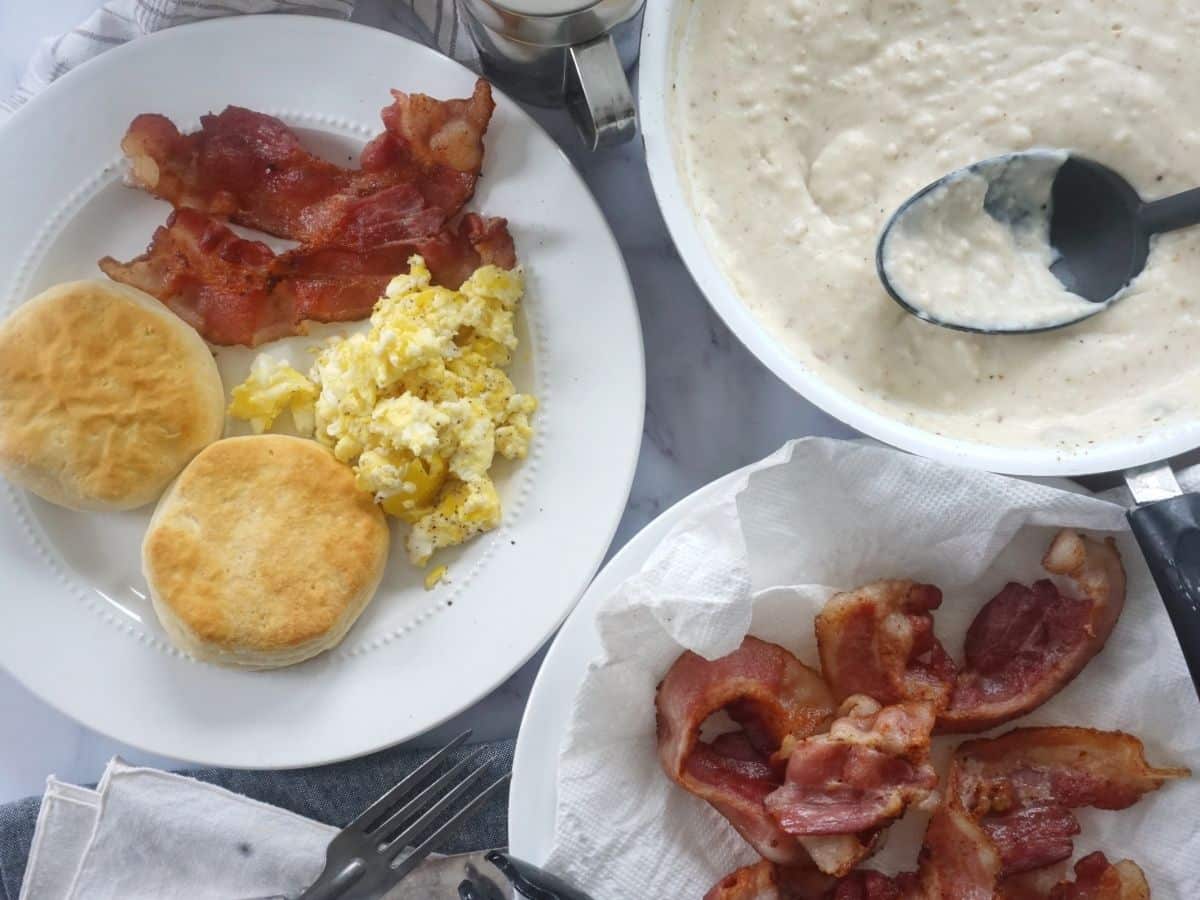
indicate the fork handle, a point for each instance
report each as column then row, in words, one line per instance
column 334, row 883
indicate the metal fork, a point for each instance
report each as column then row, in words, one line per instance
column 371, row 854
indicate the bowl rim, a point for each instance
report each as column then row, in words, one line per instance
column 662, row 23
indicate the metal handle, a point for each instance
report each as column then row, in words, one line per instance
column 598, row 94
column 1169, row 534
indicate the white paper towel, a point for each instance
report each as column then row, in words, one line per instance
column 761, row 558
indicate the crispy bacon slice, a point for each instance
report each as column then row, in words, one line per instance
column 451, row 254
column 215, row 281
column 843, row 787
column 957, row 863
column 957, row 860
column 879, row 641
column 237, row 291
column 1033, row 836
column 973, row 850
column 869, row 885
column 771, row 695
column 1021, row 787
column 444, row 137
column 767, row 881
column 964, row 872
column 252, row 169
column 1068, row 765
column 1025, row 645
column 1095, row 879
column 757, row 882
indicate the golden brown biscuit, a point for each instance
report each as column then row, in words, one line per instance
column 263, row 552
column 105, row 395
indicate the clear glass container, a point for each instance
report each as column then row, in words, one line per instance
column 573, row 53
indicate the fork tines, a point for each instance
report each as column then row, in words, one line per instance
column 408, row 811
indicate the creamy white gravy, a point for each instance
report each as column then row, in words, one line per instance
column 802, row 125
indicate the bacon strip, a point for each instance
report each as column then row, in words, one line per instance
column 957, row 859
column 973, row 850
column 1033, row 836
column 252, row 169
column 215, row 281
column 957, row 863
column 1095, row 879
column 868, row 885
column 237, row 291
column 879, row 641
column 771, row 694
column 1025, row 645
column 843, row 787
column 767, row 881
column 1028, row 644
column 1021, row 787
column 757, row 882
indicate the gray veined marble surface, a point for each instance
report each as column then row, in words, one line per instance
column 710, row 408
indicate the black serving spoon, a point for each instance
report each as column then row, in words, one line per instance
column 1099, row 226
column 526, row 879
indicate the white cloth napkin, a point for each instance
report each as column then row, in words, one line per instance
column 150, row 835
column 762, row 557
column 434, row 22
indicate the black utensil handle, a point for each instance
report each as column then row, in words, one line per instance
column 1171, row 213
column 531, row 882
column 486, row 889
column 1169, row 534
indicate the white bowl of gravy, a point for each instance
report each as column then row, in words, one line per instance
column 781, row 134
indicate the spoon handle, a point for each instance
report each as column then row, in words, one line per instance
column 1169, row 534
column 531, row 882
column 1170, row 213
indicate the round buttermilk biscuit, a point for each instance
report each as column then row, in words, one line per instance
column 105, row 395
column 263, row 552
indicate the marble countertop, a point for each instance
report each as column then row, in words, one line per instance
column 711, row 407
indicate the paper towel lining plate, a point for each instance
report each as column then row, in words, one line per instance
column 79, row 631
column 533, row 796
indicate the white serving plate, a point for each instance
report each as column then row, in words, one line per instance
column 661, row 29
column 78, row 629
column 532, row 800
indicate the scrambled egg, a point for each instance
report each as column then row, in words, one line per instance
column 434, row 576
column 272, row 387
column 419, row 405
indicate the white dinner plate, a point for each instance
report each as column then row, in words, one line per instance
column 78, row 629
column 533, row 797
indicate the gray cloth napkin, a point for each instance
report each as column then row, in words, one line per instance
column 332, row 794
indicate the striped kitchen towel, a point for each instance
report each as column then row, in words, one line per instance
column 437, row 23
